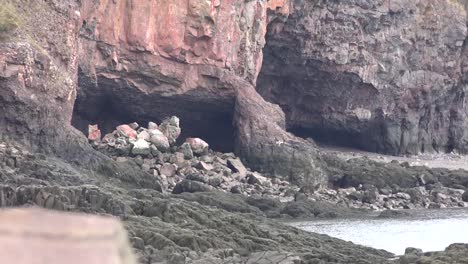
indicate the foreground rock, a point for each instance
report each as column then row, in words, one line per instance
column 40, row 236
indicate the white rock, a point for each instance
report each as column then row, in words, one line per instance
column 141, row 147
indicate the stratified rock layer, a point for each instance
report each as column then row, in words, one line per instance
column 387, row 76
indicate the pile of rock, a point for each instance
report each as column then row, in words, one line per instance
column 190, row 167
column 194, row 167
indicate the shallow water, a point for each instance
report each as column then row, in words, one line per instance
column 430, row 230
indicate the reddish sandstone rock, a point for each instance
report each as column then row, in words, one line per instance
column 127, row 131
column 94, row 134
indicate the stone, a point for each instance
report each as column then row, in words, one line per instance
column 152, row 125
column 94, row 134
column 402, row 195
column 238, row 189
column 170, row 128
column 413, row 251
column 204, row 166
column 126, row 131
column 168, row 169
column 197, row 145
column 134, row 125
column 144, row 135
column 186, row 149
column 236, row 165
column 465, row 196
column 191, row 187
column 159, row 140
column 255, row 178
column 141, row 147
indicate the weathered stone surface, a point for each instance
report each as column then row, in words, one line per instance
column 126, row 131
column 191, row 187
column 387, row 76
column 197, row 145
column 159, row 139
column 171, row 129
column 94, row 134
column 141, row 147
column 40, row 236
column 237, row 166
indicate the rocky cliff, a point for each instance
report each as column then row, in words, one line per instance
column 386, row 76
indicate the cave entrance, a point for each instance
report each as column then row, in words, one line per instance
column 329, row 137
column 110, row 104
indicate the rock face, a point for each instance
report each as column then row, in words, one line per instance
column 386, row 76
column 191, row 68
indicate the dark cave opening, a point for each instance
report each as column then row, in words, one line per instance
column 329, row 137
column 110, row 104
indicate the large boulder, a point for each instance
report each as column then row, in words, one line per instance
column 355, row 88
column 141, row 147
column 191, row 187
column 159, row 140
column 197, row 145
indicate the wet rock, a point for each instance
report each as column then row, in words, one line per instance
column 191, row 187
column 237, row 166
column 170, row 128
column 197, row 145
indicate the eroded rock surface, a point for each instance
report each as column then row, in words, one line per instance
column 386, row 76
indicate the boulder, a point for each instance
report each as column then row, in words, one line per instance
column 144, row 135
column 255, row 178
column 134, row 125
column 465, row 196
column 191, row 187
column 141, row 147
column 197, row 145
column 152, row 125
column 94, row 134
column 204, row 166
column 126, row 131
column 186, row 149
column 159, row 140
column 237, row 166
column 239, row 189
column 168, row 169
column 171, row 129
